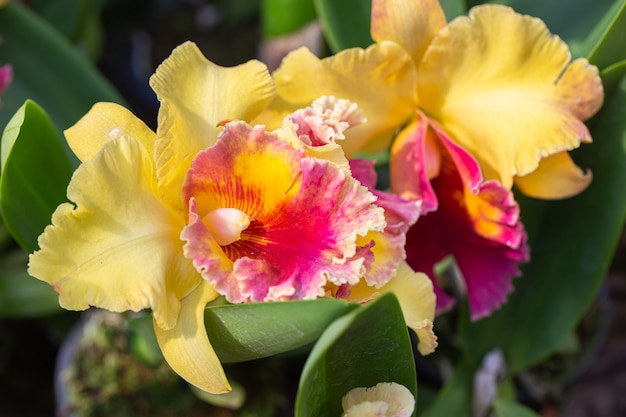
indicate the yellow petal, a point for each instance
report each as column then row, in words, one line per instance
column 117, row 247
column 411, row 24
column 103, row 122
column 187, row 348
column 414, row 291
column 492, row 81
column 556, row 177
column 195, row 96
column 389, row 99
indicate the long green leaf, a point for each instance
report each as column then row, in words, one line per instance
column 572, row 247
column 36, row 168
column 368, row 346
column 345, row 24
column 47, row 70
column 244, row 332
column 20, row 294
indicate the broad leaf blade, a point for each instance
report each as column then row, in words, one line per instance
column 346, row 24
column 368, row 346
column 243, row 332
column 47, row 70
column 36, row 168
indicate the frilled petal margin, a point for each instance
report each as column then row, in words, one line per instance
column 411, row 24
column 118, row 246
column 388, row 102
column 400, row 214
column 186, row 347
column 500, row 84
column 478, row 223
column 305, row 216
column 196, row 95
column 414, row 291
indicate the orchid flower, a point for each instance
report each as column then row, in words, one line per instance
column 6, row 75
column 385, row 399
column 497, row 85
column 203, row 207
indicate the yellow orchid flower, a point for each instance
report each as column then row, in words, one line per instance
column 491, row 98
column 117, row 245
column 204, row 207
column 496, row 81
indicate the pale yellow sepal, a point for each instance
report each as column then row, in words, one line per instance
column 186, row 347
column 492, row 81
column 414, row 291
column 411, row 24
column 556, row 177
column 196, row 95
column 388, row 102
column 118, row 246
column 104, row 122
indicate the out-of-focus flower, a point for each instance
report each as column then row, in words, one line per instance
column 385, row 399
column 6, row 75
column 496, row 83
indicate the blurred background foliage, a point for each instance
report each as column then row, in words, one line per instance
column 68, row 54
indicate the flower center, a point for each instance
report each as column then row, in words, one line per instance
column 226, row 224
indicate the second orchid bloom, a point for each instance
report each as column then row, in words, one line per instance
column 468, row 109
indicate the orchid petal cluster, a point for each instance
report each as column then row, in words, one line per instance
column 211, row 205
column 482, row 103
column 385, row 399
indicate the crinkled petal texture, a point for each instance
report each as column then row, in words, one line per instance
column 387, row 102
column 118, row 246
column 415, row 294
column 305, row 216
column 500, row 84
column 411, row 24
column 186, row 346
column 477, row 222
column 196, row 95
column 385, row 399
column 400, row 214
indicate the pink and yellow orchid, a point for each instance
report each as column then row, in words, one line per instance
column 170, row 220
column 495, row 84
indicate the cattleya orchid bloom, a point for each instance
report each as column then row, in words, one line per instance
column 170, row 220
column 316, row 129
column 385, row 399
column 497, row 85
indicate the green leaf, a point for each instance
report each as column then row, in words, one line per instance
column 455, row 398
column 36, row 168
column 453, row 8
column 242, row 332
column 47, row 70
column 367, row 346
column 508, row 408
column 609, row 49
column 572, row 245
column 282, row 17
column 345, row 24
column 20, row 294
